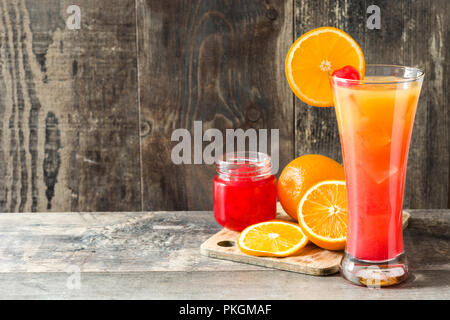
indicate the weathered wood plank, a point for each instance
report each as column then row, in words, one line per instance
column 156, row 256
column 68, row 103
column 412, row 33
column 221, row 62
column 160, row 241
column 425, row 40
column 119, row 241
column 259, row 285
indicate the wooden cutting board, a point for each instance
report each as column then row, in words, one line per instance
column 311, row 260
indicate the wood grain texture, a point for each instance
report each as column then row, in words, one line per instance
column 68, row 105
column 413, row 33
column 219, row 285
column 154, row 255
column 221, row 62
column 108, row 241
column 426, row 38
column 71, row 128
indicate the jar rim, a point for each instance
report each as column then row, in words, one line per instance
column 242, row 164
column 256, row 158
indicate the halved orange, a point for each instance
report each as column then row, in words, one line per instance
column 322, row 214
column 275, row 238
column 313, row 58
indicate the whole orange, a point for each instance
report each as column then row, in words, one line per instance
column 301, row 174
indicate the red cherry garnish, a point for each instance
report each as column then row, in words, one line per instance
column 347, row 72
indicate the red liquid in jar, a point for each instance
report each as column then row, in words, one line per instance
column 242, row 202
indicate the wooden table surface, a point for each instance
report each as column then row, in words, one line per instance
column 155, row 255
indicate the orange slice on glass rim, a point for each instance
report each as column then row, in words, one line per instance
column 322, row 214
column 274, row 238
column 313, row 58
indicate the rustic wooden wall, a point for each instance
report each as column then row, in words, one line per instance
column 68, row 107
column 86, row 116
column 221, row 62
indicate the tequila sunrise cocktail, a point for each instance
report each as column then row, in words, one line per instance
column 375, row 107
column 375, row 118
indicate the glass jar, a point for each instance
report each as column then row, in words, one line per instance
column 244, row 190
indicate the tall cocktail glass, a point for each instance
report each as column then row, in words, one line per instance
column 375, row 118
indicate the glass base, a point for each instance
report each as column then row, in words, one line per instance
column 374, row 274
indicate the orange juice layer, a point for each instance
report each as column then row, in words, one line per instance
column 375, row 125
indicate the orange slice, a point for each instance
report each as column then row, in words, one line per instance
column 314, row 57
column 322, row 214
column 273, row 238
